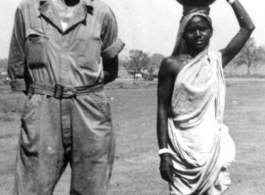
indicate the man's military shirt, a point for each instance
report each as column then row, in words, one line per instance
column 42, row 52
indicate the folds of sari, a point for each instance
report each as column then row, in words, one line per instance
column 199, row 141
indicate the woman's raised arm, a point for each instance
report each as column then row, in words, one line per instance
column 246, row 28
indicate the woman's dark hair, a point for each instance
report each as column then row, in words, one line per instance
column 207, row 20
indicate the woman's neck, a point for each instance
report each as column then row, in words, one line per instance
column 192, row 52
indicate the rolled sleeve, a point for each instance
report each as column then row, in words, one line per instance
column 16, row 58
column 112, row 45
column 113, row 50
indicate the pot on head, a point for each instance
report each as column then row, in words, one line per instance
column 196, row 2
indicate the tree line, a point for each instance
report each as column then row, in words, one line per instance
column 250, row 56
column 3, row 64
column 139, row 61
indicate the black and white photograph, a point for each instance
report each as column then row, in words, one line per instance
column 121, row 97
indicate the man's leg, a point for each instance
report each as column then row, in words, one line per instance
column 40, row 155
column 93, row 145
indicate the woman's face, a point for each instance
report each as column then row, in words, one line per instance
column 197, row 33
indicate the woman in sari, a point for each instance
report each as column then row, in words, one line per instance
column 195, row 147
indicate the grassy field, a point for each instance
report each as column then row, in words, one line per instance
column 136, row 160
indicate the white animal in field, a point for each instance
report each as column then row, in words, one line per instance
column 138, row 76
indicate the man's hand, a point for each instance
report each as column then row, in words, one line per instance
column 111, row 68
column 166, row 167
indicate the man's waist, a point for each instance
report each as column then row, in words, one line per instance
column 60, row 91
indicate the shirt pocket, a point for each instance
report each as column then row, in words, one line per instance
column 88, row 53
column 36, row 49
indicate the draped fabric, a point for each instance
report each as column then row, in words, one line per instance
column 199, row 141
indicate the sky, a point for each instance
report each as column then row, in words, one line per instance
column 151, row 25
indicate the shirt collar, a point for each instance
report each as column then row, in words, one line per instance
column 45, row 6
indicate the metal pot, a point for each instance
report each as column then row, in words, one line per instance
column 196, row 2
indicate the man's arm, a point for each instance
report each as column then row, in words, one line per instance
column 111, row 69
column 16, row 58
column 111, row 47
column 246, row 28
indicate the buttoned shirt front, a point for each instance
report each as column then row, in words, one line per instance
column 41, row 51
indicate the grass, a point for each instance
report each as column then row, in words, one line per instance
column 136, row 160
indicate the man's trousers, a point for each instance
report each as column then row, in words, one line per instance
column 56, row 132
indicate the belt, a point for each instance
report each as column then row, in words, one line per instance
column 60, row 91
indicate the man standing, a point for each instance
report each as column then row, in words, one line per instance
column 62, row 52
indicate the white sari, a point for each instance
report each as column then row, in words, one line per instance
column 199, row 141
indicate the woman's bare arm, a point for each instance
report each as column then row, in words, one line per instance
column 164, row 92
column 246, row 28
column 166, row 80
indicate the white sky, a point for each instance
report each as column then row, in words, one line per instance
column 151, row 25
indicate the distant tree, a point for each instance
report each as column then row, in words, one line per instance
column 261, row 53
column 3, row 64
column 156, row 59
column 151, row 70
column 138, row 60
column 249, row 55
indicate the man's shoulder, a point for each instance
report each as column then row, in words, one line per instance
column 27, row 3
column 100, row 7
